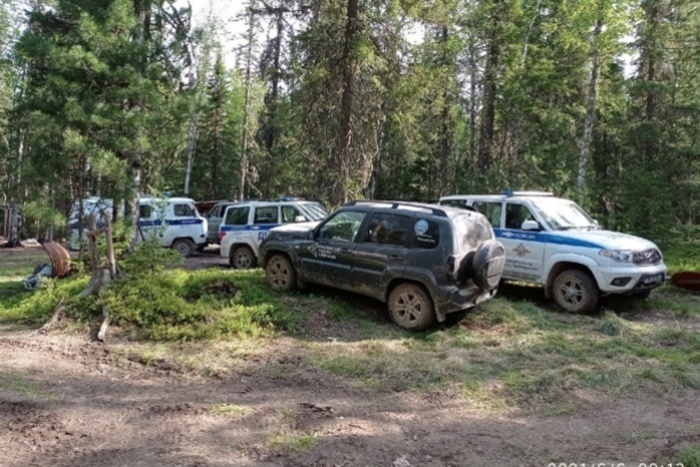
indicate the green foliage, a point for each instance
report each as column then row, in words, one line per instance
column 36, row 307
column 179, row 305
column 149, row 257
column 689, row 457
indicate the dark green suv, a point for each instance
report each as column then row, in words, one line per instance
column 425, row 261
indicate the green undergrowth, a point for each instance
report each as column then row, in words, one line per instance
column 682, row 256
column 23, row 307
column 166, row 305
column 689, row 457
column 156, row 300
column 514, row 353
column 506, row 353
column 183, row 305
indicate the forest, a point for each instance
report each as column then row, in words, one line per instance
column 333, row 100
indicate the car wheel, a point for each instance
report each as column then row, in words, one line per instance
column 575, row 291
column 487, row 265
column 411, row 307
column 280, row 274
column 184, row 246
column 242, row 258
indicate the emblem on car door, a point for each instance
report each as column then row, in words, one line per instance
column 521, row 250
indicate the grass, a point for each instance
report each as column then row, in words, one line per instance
column 508, row 353
column 689, row 457
column 513, row 353
column 294, row 442
column 18, row 384
column 230, row 410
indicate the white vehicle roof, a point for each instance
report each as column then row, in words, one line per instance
column 271, row 203
column 505, row 194
column 148, row 199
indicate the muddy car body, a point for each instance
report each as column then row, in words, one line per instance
column 424, row 261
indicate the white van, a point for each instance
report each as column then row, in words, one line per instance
column 91, row 206
column 174, row 221
column 552, row 242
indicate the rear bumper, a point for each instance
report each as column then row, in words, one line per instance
column 453, row 299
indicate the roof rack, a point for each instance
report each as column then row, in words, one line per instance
column 526, row 193
column 398, row 204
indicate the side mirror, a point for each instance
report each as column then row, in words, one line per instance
column 311, row 235
column 530, row 225
column 300, row 219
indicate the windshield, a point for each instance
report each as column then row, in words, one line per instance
column 314, row 211
column 563, row 214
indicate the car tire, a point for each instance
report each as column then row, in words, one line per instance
column 411, row 307
column 184, row 246
column 487, row 265
column 242, row 257
column 280, row 274
column 575, row 291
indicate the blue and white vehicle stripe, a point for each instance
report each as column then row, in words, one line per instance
column 545, row 237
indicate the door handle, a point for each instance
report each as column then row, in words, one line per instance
column 345, row 250
column 396, row 257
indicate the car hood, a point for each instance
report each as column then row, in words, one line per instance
column 607, row 239
column 295, row 230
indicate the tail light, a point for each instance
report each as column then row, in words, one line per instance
column 222, row 235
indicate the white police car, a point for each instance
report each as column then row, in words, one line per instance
column 552, row 242
column 246, row 225
column 174, row 221
column 92, row 206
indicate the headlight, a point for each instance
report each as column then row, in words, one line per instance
column 621, row 256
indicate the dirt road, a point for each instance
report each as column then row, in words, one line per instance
column 66, row 402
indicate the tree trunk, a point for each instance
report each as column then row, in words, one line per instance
column 489, row 100
column 445, row 166
column 13, row 239
column 343, row 151
column 191, row 145
column 473, row 70
column 590, row 115
column 246, row 103
column 135, row 173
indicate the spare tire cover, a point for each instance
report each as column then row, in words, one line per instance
column 487, row 265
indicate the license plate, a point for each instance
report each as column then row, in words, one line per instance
column 653, row 279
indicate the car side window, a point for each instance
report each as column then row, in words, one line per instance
column 387, row 229
column 237, row 216
column 516, row 214
column 492, row 211
column 183, row 210
column 426, row 234
column 266, row 215
column 343, row 226
column 289, row 214
column 215, row 212
column 145, row 211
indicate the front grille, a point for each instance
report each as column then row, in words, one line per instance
column 650, row 256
